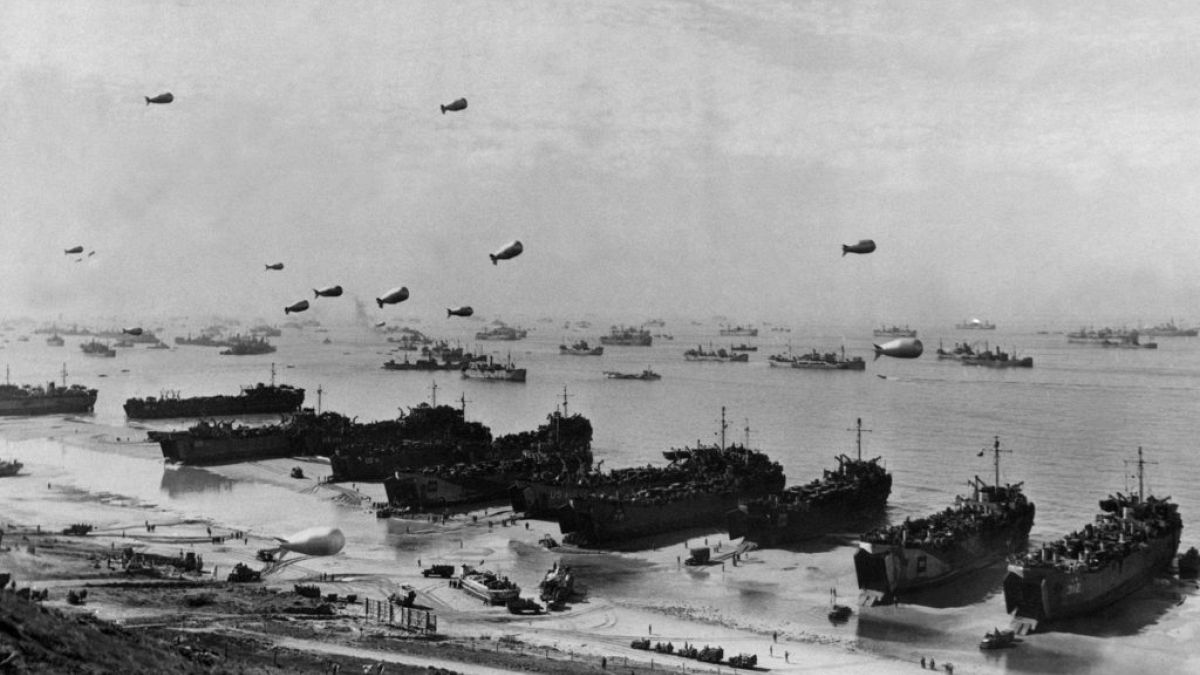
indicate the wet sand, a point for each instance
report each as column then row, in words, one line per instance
column 632, row 594
column 593, row 628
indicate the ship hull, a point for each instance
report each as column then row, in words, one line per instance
column 53, row 405
column 885, row 570
column 786, row 526
column 1047, row 594
column 184, row 448
column 418, row 490
column 210, row 406
column 600, row 521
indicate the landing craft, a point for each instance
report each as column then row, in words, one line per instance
column 166, row 97
column 459, row 311
column 73, row 250
column 380, row 324
column 132, row 331
column 510, row 250
column 91, row 253
column 460, row 104
column 297, row 307
column 863, row 246
column 394, row 296
column 327, row 292
column 275, row 266
column 901, row 348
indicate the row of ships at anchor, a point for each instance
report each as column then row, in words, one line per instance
column 433, row 458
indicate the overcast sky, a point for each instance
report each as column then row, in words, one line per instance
column 1028, row 162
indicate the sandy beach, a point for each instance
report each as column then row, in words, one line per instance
column 590, row 633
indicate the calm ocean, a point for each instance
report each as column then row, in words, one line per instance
column 1071, row 423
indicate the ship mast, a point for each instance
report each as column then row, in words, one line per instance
column 858, row 428
column 724, row 426
column 1141, row 471
column 747, row 432
column 565, row 397
column 996, row 452
column 433, row 394
column 272, row 373
column 319, row 392
column 463, row 402
column 64, row 374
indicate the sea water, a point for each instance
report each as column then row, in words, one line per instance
column 1069, row 427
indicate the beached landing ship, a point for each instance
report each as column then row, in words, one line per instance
column 858, row 488
column 563, row 443
column 1133, row 539
column 426, row 435
column 701, row 502
column 223, row 443
column 256, row 400
column 978, row 531
column 48, row 400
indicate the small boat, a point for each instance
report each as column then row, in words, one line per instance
column 297, row 472
column 646, row 374
column 13, row 467
column 838, row 613
column 743, row 348
column 998, row 639
column 581, row 348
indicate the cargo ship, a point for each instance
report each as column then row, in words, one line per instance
column 204, row 340
column 720, row 476
column 1169, row 329
column 245, row 346
column 1132, row 540
column 996, row 358
column 492, row 371
column 627, row 337
column 257, row 400
column 739, row 330
column 48, row 400
column 427, row 364
column 856, row 490
column 978, row 531
column 815, row 360
column 894, row 331
column 502, row 333
column 96, row 348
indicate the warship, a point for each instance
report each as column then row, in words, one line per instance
column 256, row 400
column 502, row 333
column 978, row 531
column 719, row 477
column 1133, row 539
column 48, row 400
column 243, row 346
column 857, row 489
column 96, row 348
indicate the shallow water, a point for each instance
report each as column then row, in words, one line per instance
column 1072, row 424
